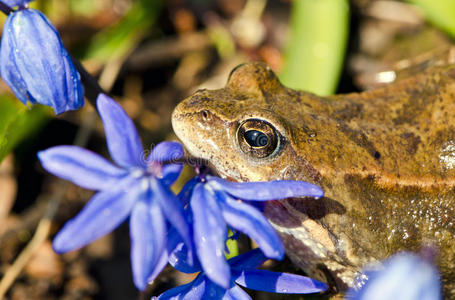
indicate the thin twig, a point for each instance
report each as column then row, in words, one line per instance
column 5, row 8
column 165, row 50
column 38, row 239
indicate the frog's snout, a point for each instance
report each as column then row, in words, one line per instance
column 178, row 120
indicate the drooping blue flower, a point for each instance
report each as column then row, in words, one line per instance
column 405, row 276
column 35, row 64
column 136, row 186
column 214, row 203
column 13, row 3
column 245, row 273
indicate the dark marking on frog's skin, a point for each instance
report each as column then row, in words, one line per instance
column 411, row 142
column 317, row 208
column 360, row 139
column 350, row 111
column 385, row 159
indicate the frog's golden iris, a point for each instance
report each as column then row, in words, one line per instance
column 258, row 138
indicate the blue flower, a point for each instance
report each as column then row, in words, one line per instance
column 244, row 273
column 36, row 65
column 137, row 187
column 404, row 276
column 214, row 204
column 12, row 3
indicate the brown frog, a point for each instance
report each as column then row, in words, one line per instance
column 385, row 159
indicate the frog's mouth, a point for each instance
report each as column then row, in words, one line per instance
column 206, row 167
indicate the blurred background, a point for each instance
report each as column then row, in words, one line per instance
column 150, row 54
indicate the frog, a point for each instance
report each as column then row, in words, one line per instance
column 385, row 159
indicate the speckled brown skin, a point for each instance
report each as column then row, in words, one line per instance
column 385, row 159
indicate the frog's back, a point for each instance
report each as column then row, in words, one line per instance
column 388, row 156
column 402, row 134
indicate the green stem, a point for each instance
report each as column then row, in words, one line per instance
column 315, row 52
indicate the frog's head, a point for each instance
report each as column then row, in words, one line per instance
column 241, row 129
column 250, row 131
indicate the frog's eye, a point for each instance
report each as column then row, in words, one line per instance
column 258, row 138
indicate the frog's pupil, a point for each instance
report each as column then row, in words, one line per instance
column 256, row 138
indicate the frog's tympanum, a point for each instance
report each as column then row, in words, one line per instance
column 385, row 159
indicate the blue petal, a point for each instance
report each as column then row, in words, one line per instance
column 170, row 173
column 172, row 209
column 161, row 263
column 35, row 63
column 166, row 151
column 8, row 68
column 406, row 277
column 12, row 3
column 274, row 282
column 250, row 221
column 74, row 86
column 81, row 167
column 251, row 259
column 215, row 292
column 123, row 141
column 190, row 291
column 268, row 190
column 147, row 232
column 185, row 194
column 102, row 214
column 236, row 293
column 209, row 235
column 198, row 289
column 179, row 254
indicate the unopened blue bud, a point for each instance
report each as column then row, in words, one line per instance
column 36, row 65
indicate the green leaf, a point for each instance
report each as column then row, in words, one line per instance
column 316, row 47
column 17, row 122
column 439, row 12
column 117, row 40
column 232, row 246
column 83, row 7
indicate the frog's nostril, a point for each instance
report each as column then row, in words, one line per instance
column 205, row 115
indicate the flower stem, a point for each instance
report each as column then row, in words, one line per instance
column 5, row 8
column 91, row 86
